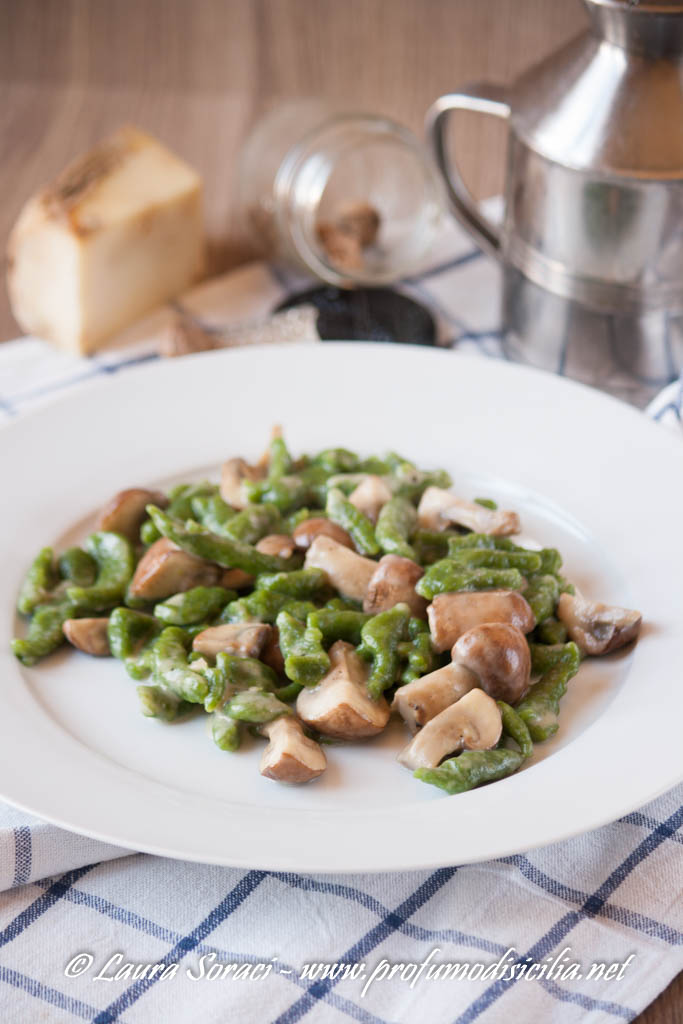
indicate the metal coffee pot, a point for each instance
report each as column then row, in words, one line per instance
column 591, row 239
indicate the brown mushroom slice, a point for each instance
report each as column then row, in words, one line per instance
column 340, row 705
column 499, row 657
column 439, row 508
column 246, row 639
column 125, row 512
column 236, row 579
column 290, row 755
column 371, row 495
column 277, row 544
column 451, row 615
column 393, row 582
column 306, row 532
column 597, row 628
column 164, row 570
column 425, row 698
column 88, row 635
column 233, row 475
column 346, row 570
column 472, row 723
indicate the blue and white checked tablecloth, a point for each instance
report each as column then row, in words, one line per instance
column 69, row 903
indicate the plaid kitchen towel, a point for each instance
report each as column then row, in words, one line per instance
column 588, row 930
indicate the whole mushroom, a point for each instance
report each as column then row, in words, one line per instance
column 371, row 495
column 246, row 639
column 597, row 628
column 88, row 635
column 164, row 570
column 472, row 723
column 126, row 511
column 307, row 531
column 494, row 657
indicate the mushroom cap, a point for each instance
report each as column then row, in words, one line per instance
column 473, row 723
column 306, row 532
column 290, row 755
column 235, row 579
column 597, row 628
column 498, row 655
column 393, row 582
column 88, row 635
column 346, row 570
column 451, row 615
column 246, row 639
column 423, row 699
column 340, row 705
column 277, row 544
column 371, row 495
column 165, row 569
column 439, row 508
column 126, row 511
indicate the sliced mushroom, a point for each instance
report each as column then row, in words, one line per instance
column 88, row 635
column 499, row 657
column 425, row 698
column 392, row 582
column 290, row 755
column 595, row 627
column 349, row 572
column 164, row 570
column 371, row 495
column 306, row 532
column 451, row 615
column 233, row 475
column 236, row 579
column 438, row 509
column 339, row 705
column 277, row 544
column 472, row 723
column 246, row 639
column 125, row 512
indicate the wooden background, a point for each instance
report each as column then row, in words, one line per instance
column 198, row 72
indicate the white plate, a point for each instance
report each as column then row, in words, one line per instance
column 587, row 474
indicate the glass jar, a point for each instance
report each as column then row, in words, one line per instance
column 351, row 198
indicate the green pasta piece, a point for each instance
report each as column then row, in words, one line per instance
column 171, row 671
column 233, row 673
column 280, row 461
column 226, row 732
column 156, row 702
column 487, row 503
column 355, row 522
column 225, row 551
column 540, row 708
column 448, row 576
column 395, row 524
column 525, row 561
column 78, row 566
column 256, row 707
column 470, row 769
column 380, row 639
column 306, row 661
column 211, row 511
column 129, row 630
column 44, row 634
column 181, row 496
column 338, row 625
column 542, row 594
column 551, row 631
column 149, row 533
column 115, row 560
column 199, row 604
column 302, row 584
column 265, row 606
column 515, row 727
column 40, row 580
column 420, row 656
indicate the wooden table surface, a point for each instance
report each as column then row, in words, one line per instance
column 198, row 73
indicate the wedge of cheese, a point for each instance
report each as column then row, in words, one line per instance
column 119, row 232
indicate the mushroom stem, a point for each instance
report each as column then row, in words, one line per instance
column 439, row 508
column 425, row 698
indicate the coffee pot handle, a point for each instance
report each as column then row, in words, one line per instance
column 481, row 98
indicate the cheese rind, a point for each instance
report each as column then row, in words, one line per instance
column 118, row 233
